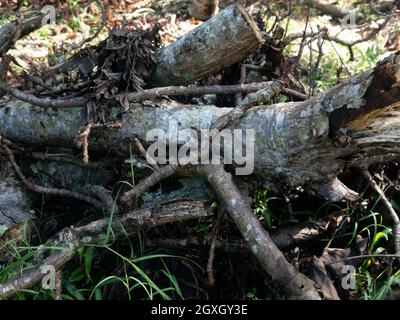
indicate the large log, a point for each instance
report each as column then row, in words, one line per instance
column 297, row 143
column 218, row 43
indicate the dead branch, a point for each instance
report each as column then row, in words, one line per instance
column 350, row 124
column 69, row 240
column 145, row 155
column 196, row 90
column 227, row 38
column 17, row 29
column 129, row 197
column 329, row 9
column 284, row 238
column 213, row 242
column 48, row 190
column 389, row 213
column 262, row 95
column 45, row 102
column 145, row 94
column 258, row 240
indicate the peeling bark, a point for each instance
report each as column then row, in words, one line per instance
column 297, row 285
column 218, row 43
column 14, row 204
column 298, row 143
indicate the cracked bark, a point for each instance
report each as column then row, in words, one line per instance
column 297, row 285
column 299, row 143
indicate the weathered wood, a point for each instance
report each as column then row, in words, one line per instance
column 14, row 204
column 17, row 29
column 218, row 43
column 297, row 285
column 297, row 143
column 69, row 240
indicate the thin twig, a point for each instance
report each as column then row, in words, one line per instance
column 296, row 284
column 251, row 99
column 94, row 36
column 137, row 96
column 391, row 215
column 45, row 102
column 188, row 91
column 238, row 95
column 129, row 197
column 69, row 240
column 47, row 190
column 211, row 255
column 43, row 157
column 320, row 44
column 84, row 136
column 144, row 153
column 365, row 256
column 347, row 43
column 295, row 94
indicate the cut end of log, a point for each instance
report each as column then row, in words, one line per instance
column 382, row 93
column 251, row 22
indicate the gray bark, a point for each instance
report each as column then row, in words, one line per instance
column 14, row 205
column 218, row 43
column 19, row 28
column 305, row 143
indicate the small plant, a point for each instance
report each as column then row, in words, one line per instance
column 262, row 200
column 204, row 225
column 252, row 295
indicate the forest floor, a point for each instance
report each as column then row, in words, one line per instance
column 158, row 263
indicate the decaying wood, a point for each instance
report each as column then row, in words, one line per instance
column 258, row 240
column 14, row 203
column 284, row 238
column 298, row 143
column 235, row 114
column 17, row 29
column 203, row 9
column 390, row 213
column 69, row 240
column 223, row 40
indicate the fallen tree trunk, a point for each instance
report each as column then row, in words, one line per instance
column 222, row 41
column 306, row 143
